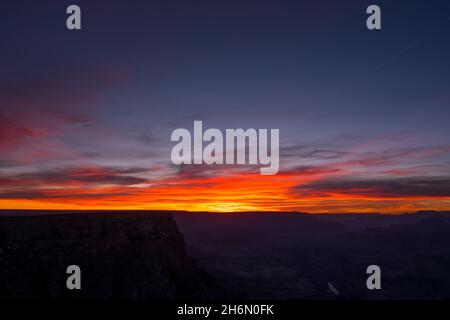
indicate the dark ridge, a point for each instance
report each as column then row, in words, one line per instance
column 132, row 256
column 292, row 256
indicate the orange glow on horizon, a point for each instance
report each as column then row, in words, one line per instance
column 229, row 193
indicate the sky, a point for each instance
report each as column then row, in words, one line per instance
column 86, row 116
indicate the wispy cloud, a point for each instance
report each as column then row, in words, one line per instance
column 424, row 187
column 36, row 111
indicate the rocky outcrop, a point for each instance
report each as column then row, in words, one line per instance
column 131, row 256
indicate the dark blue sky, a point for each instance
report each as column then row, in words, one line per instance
column 289, row 61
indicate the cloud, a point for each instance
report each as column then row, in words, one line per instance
column 89, row 176
column 304, row 151
column 305, row 171
column 42, row 195
column 61, row 91
column 147, row 138
column 388, row 187
column 35, row 110
column 203, row 171
column 393, row 156
column 13, row 132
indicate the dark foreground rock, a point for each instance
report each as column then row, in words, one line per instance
column 131, row 256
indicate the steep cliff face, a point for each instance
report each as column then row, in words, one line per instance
column 121, row 255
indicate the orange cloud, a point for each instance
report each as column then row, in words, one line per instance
column 301, row 189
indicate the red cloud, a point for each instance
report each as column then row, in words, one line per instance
column 37, row 109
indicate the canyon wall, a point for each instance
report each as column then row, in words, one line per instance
column 131, row 256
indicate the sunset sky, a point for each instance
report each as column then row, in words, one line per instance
column 86, row 116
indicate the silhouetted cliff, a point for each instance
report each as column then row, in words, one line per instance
column 121, row 256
